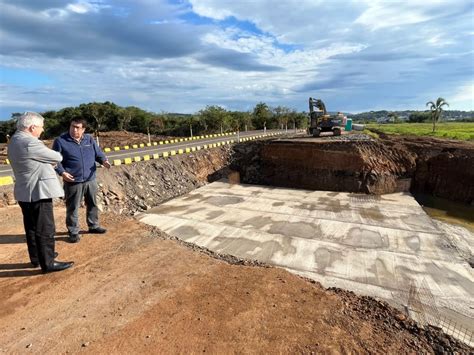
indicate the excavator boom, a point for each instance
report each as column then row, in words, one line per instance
column 318, row 104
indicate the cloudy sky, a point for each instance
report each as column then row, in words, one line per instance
column 181, row 55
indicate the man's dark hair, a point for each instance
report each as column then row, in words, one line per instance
column 83, row 121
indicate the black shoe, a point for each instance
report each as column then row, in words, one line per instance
column 58, row 266
column 73, row 238
column 36, row 264
column 98, row 230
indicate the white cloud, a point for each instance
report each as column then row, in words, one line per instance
column 464, row 95
column 266, row 48
column 206, row 9
column 80, row 7
column 388, row 14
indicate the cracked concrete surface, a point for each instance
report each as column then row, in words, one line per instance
column 372, row 245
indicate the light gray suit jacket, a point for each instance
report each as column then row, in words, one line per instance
column 32, row 163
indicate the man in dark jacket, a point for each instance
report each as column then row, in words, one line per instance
column 78, row 170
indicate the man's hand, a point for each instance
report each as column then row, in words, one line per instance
column 106, row 164
column 67, row 177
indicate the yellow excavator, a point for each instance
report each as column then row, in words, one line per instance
column 320, row 120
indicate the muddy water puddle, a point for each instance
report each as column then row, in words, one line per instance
column 447, row 211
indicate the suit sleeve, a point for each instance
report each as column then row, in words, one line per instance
column 57, row 147
column 39, row 152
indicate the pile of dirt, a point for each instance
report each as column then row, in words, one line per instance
column 134, row 291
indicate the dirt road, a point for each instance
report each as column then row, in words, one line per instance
column 133, row 291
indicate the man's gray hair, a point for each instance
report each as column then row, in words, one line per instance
column 28, row 119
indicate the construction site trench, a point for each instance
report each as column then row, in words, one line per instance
column 355, row 166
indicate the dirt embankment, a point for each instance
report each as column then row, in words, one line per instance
column 138, row 187
column 444, row 167
column 438, row 167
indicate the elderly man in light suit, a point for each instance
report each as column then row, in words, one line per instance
column 36, row 185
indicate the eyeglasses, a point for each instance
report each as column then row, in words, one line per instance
column 77, row 127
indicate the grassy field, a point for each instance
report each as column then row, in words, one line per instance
column 453, row 130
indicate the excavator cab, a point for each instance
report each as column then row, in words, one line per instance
column 320, row 120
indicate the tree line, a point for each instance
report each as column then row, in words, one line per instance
column 411, row 116
column 108, row 116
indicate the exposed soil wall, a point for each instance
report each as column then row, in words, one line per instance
column 433, row 166
column 444, row 168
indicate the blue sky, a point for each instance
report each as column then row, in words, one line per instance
column 179, row 56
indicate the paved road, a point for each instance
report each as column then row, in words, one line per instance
column 5, row 170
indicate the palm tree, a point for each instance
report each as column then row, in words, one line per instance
column 436, row 109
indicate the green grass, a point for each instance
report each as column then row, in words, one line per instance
column 453, row 130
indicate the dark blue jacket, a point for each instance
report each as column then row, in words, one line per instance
column 78, row 158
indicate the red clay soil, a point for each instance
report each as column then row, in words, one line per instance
column 444, row 167
column 438, row 167
column 134, row 291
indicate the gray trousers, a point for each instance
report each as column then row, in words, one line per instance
column 74, row 193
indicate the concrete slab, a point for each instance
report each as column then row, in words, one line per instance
column 372, row 245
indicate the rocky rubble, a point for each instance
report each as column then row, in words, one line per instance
column 128, row 189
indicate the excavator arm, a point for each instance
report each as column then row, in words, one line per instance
column 317, row 105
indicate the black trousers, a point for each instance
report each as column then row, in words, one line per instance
column 38, row 220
